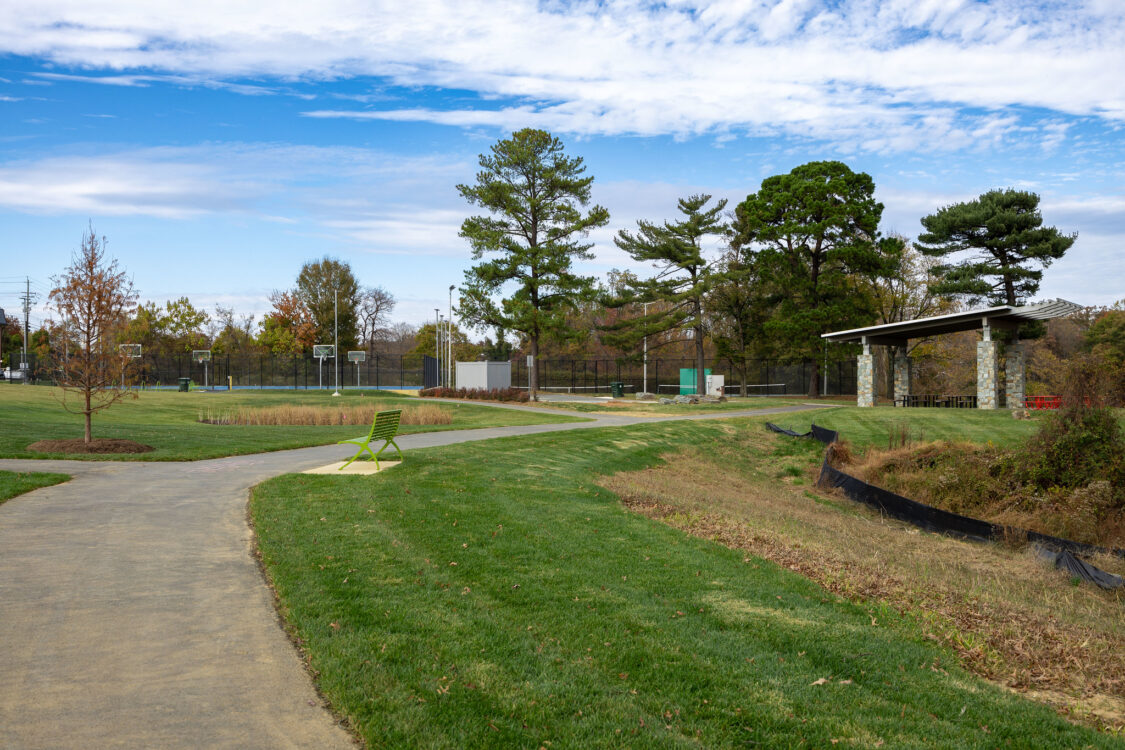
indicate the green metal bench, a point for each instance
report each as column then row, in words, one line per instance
column 385, row 427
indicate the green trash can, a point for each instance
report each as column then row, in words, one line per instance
column 185, row 385
column 617, row 389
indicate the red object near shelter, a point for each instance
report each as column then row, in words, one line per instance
column 1039, row 403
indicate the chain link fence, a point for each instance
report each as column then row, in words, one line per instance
column 382, row 371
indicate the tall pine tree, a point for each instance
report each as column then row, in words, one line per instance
column 816, row 229
column 1002, row 231
column 535, row 195
column 683, row 278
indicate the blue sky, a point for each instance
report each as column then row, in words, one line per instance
column 219, row 146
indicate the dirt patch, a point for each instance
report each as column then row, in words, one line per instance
column 97, row 445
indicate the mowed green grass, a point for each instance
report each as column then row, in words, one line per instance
column 874, row 426
column 642, row 408
column 168, row 421
column 492, row 594
column 14, row 483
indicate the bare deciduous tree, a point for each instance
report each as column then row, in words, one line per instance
column 374, row 310
column 95, row 297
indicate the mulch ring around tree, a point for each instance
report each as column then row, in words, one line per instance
column 97, row 445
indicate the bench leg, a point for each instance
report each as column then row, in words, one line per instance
column 364, row 447
column 390, row 442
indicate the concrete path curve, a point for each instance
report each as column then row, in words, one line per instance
column 133, row 613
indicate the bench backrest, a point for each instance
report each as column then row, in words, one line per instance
column 385, row 425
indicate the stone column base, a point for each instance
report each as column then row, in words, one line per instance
column 1016, row 377
column 902, row 375
column 865, row 380
column 987, row 365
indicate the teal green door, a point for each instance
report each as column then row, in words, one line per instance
column 687, row 380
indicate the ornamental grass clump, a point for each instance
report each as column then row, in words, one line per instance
column 426, row 414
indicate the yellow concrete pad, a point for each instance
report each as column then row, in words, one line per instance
column 359, row 467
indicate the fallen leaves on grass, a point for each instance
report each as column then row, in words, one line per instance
column 1077, row 668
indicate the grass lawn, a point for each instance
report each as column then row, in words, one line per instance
column 15, row 483
column 1009, row 616
column 493, row 594
column 634, row 408
column 167, row 421
column 873, row 426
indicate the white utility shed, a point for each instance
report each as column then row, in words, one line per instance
column 486, row 375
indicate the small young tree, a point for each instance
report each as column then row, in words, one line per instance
column 684, row 275
column 534, row 194
column 95, row 297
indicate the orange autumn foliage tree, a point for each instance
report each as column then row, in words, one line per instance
column 289, row 327
column 95, row 298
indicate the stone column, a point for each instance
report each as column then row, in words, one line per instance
column 902, row 373
column 865, row 377
column 987, row 365
column 1015, row 382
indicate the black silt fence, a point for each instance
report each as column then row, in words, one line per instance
column 944, row 522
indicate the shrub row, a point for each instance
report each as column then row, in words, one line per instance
column 477, row 394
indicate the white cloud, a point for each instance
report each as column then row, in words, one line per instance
column 232, row 178
column 930, row 74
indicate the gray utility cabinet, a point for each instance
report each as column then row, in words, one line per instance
column 486, row 375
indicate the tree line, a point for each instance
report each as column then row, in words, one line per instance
column 801, row 255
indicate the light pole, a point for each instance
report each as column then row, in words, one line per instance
column 336, row 336
column 449, row 342
column 437, row 342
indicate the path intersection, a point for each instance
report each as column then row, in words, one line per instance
column 133, row 612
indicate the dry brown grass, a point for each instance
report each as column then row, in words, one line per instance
column 1011, row 618
column 362, row 414
column 962, row 478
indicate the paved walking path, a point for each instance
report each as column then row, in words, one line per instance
column 133, row 613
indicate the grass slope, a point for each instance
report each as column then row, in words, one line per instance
column 864, row 427
column 492, row 594
column 168, row 422
column 16, row 483
column 1010, row 616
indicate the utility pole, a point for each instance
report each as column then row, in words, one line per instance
column 336, row 335
column 27, row 300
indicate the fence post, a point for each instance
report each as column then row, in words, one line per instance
column 401, row 375
column 376, row 373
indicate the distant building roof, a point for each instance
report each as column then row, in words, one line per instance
column 1004, row 316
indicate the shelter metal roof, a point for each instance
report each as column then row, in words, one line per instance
column 1003, row 316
